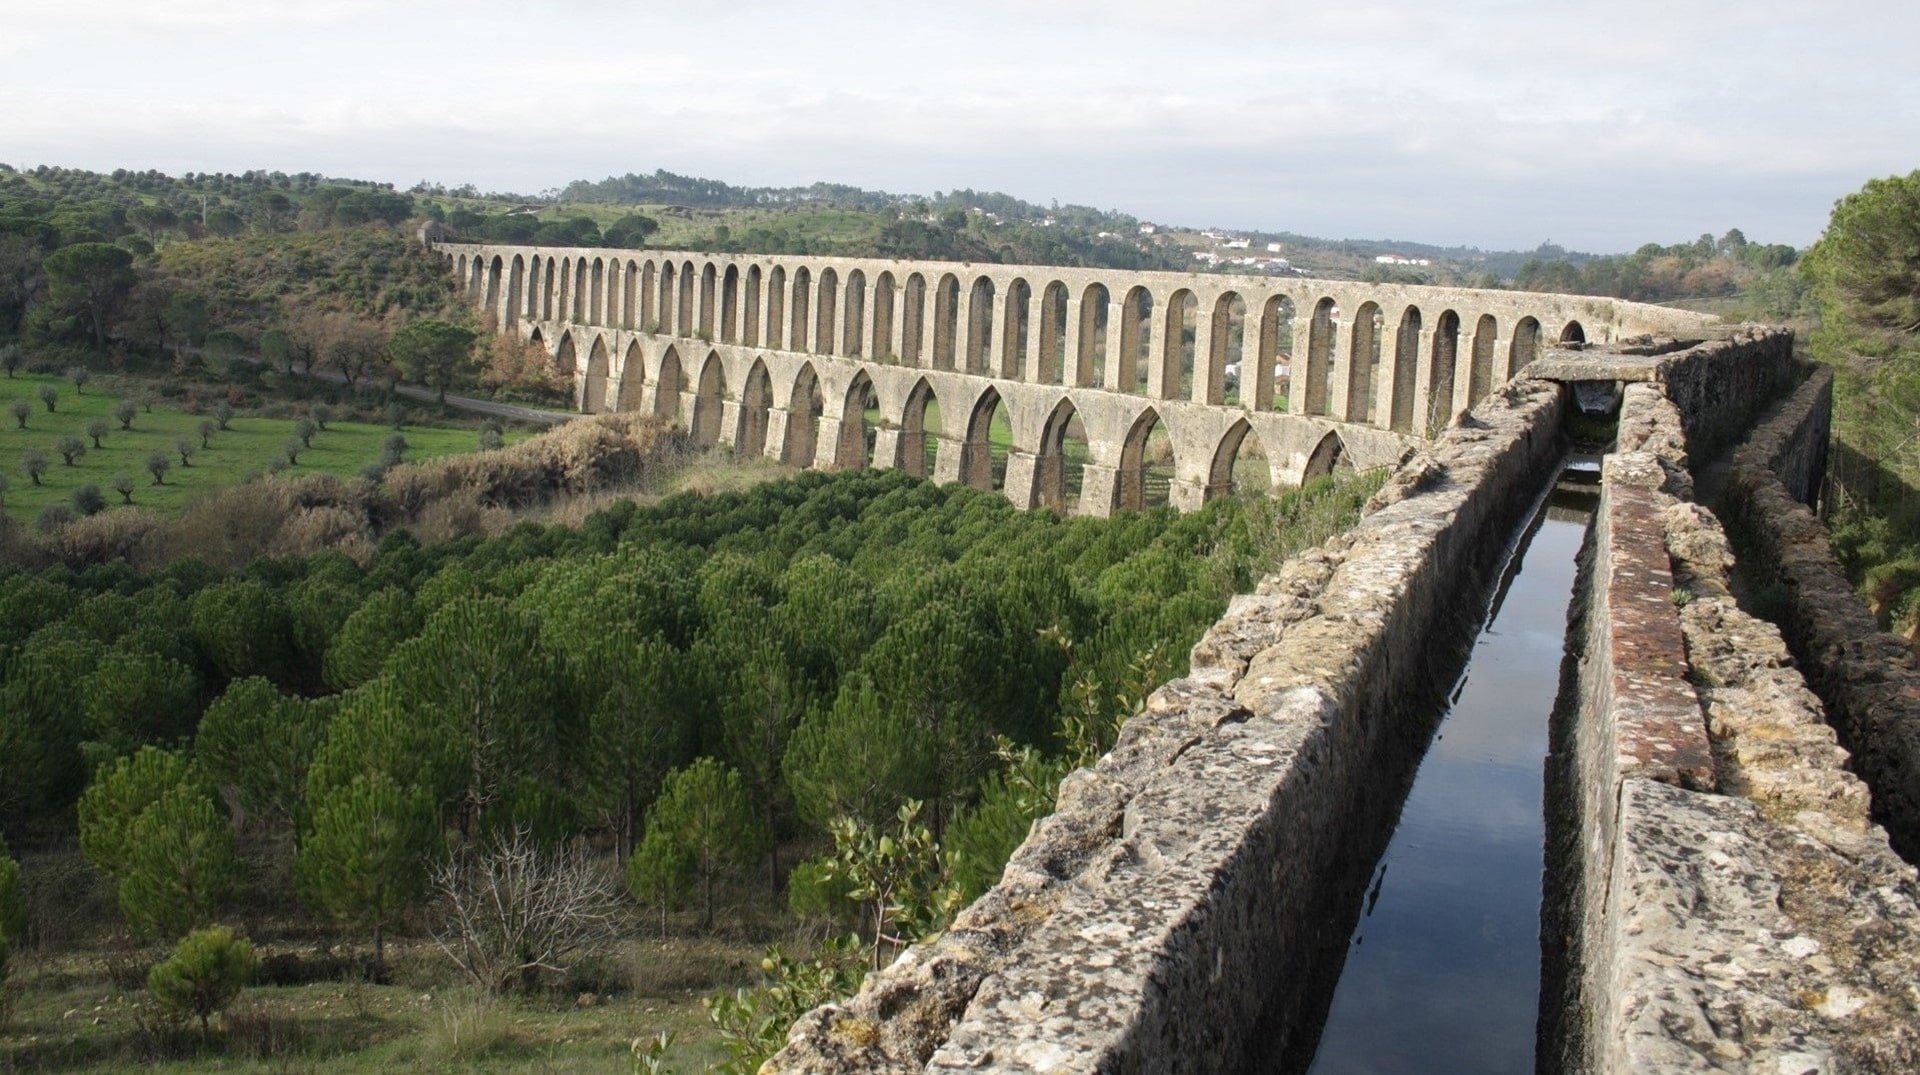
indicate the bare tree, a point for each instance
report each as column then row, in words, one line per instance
column 509, row 912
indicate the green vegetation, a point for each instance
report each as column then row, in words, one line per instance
column 245, row 445
column 1866, row 275
column 379, row 745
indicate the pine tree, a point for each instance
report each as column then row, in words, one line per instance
column 366, row 853
column 705, row 819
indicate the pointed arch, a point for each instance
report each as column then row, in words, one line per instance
column 708, row 401
column 566, row 359
column 946, row 320
column 1406, row 371
column 857, row 432
column 633, row 380
column 1240, row 464
column 804, row 405
column 983, row 454
column 920, row 428
column 668, row 389
column 979, row 349
column 1329, row 456
column 1146, row 464
column 1136, row 340
column 593, row 393
column 756, row 408
column 1062, row 459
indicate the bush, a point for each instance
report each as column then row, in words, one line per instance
column 34, row 462
column 207, row 427
column 393, row 451
column 204, row 974
column 304, row 428
column 491, row 439
column 222, row 414
column 87, row 500
column 79, row 375
column 53, row 518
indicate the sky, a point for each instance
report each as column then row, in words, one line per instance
column 1502, row 125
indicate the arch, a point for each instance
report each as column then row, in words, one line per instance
column 495, row 270
column 1574, row 332
column 920, row 428
column 853, row 328
column 750, row 303
column 633, row 380
column 1014, row 329
column 596, row 292
column 668, row 389
column 826, row 316
column 979, row 354
column 1440, row 372
column 913, row 321
column 649, row 299
column 669, row 287
column 1486, row 336
column 1179, row 345
column 581, row 303
column 777, row 307
column 709, row 284
column 1270, row 383
column 1526, row 345
column 983, row 454
column 802, row 308
column 1226, row 351
column 1240, row 464
column 708, row 401
column 566, row 360
column 1053, row 334
column 1328, row 456
column 593, row 393
column 730, row 305
column 882, row 346
column 856, row 429
column 1060, row 468
column 1406, row 371
column 946, row 320
column 468, row 273
column 1365, row 362
column 683, row 314
column 1319, row 380
column 1146, row 464
column 1136, row 340
column 804, row 404
column 756, row 407
column 550, row 303
column 630, row 295
column 1096, row 317
column 516, row 289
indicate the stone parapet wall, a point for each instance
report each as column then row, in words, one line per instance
column 1736, row 911
column 1868, row 678
column 1170, row 904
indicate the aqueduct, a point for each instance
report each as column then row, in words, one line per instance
column 1731, row 813
column 789, row 356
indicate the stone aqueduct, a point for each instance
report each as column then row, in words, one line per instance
column 784, row 355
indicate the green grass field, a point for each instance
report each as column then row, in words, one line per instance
column 249, row 445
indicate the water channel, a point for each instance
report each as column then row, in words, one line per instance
column 1442, row 973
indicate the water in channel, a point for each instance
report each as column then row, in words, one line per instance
column 1442, row 973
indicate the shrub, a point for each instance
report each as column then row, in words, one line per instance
column 491, row 439
column 321, row 414
column 206, row 432
column 510, row 912
column 394, row 449
column 10, row 359
column 53, row 518
column 204, row 974
column 87, row 500
column 222, row 414
column 124, row 412
column 292, row 449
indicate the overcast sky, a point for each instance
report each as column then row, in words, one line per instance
column 1490, row 123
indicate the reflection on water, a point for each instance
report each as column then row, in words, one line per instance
column 1443, row 972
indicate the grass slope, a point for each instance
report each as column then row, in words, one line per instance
column 247, row 446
